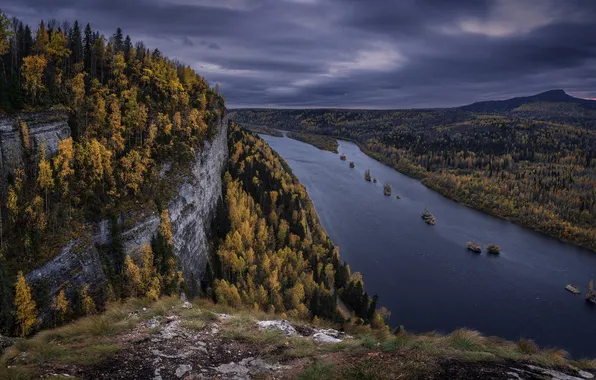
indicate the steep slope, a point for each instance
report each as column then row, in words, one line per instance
column 47, row 128
column 272, row 253
column 82, row 261
column 110, row 161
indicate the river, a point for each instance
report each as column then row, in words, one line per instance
column 425, row 275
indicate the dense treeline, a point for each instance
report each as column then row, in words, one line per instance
column 265, row 131
column 320, row 141
column 535, row 167
column 130, row 109
column 274, row 254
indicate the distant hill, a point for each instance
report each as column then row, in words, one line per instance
column 553, row 96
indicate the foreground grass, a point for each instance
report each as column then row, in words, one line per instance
column 87, row 341
column 407, row 356
column 369, row 354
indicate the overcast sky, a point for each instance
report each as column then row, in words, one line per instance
column 357, row 53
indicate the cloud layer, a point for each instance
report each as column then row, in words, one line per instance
column 357, row 53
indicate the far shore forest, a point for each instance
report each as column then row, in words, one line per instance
column 534, row 165
column 320, row 141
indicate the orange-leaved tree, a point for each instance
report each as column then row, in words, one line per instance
column 26, row 309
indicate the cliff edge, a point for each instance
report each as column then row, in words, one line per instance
column 173, row 339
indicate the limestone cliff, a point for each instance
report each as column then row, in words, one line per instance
column 191, row 211
column 47, row 126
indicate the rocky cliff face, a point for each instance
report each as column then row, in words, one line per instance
column 191, row 212
column 48, row 126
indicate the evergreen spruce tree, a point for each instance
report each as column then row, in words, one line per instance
column 118, row 41
column 88, row 49
column 75, row 44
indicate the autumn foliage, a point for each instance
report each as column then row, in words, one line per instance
column 535, row 165
column 273, row 253
column 130, row 109
column 25, row 307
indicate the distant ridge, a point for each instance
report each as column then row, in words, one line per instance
column 552, row 96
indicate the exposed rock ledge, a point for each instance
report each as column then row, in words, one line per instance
column 330, row 336
column 175, row 339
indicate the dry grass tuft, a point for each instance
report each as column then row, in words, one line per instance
column 16, row 373
column 299, row 347
column 244, row 329
column 318, row 371
column 395, row 343
column 198, row 314
column 585, row 363
column 466, row 340
column 527, row 346
column 196, row 325
column 551, row 357
column 85, row 341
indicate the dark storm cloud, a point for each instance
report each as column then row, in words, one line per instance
column 211, row 45
column 357, row 53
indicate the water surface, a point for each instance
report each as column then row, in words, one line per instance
column 425, row 275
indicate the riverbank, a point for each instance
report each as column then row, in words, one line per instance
column 538, row 172
column 319, row 141
column 407, row 263
column 259, row 129
column 529, row 217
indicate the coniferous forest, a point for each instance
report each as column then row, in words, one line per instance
column 273, row 253
column 320, row 141
column 129, row 109
column 533, row 163
column 152, row 228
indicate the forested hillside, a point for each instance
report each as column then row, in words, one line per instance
column 131, row 113
column 535, row 164
column 273, row 253
column 130, row 110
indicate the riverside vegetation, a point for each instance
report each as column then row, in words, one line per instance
column 531, row 160
column 320, row 141
column 273, row 254
column 264, row 130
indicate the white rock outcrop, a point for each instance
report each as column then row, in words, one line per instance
column 282, row 325
column 324, row 338
column 195, row 206
column 318, row 335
